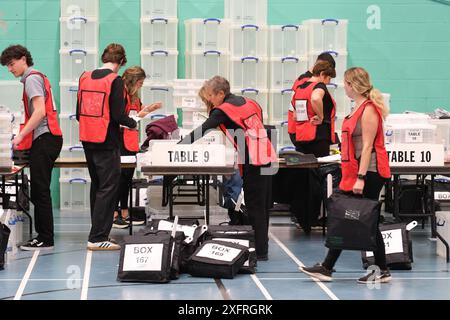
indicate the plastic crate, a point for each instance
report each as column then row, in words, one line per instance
column 249, row 40
column 75, row 152
column 207, row 64
column 74, row 194
column 327, row 34
column 246, row 12
column 152, row 93
column 159, row 33
column 284, row 71
column 79, row 33
column 341, row 63
column 70, row 129
column 288, row 41
column 259, row 95
column 159, row 65
column 159, row 8
column 443, row 135
column 76, row 61
column 207, row 34
column 343, row 103
column 248, row 72
column 68, row 97
column 11, row 92
column 279, row 104
column 79, row 8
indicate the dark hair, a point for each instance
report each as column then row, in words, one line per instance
column 114, row 53
column 16, row 52
column 325, row 56
column 325, row 67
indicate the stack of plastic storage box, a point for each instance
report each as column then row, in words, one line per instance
column 191, row 111
column 6, row 118
column 330, row 35
column 207, row 48
column 79, row 23
column 288, row 59
column 409, row 128
column 249, row 36
column 11, row 97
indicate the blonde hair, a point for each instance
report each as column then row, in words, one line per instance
column 130, row 78
column 202, row 95
column 359, row 79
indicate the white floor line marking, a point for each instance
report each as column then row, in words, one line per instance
column 27, row 275
column 261, row 287
column 300, row 264
column 87, row 272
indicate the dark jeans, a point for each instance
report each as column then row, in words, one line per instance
column 104, row 169
column 44, row 151
column 257, row 189
column 372, row 187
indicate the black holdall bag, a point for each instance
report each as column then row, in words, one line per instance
column 217, row 259
column 4, row 237
column 352, row 222
column 146, row 257
column 398, row 246
column 243, row 235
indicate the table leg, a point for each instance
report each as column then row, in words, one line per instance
column 130, row 208
column 206, row 177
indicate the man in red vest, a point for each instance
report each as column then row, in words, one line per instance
column 241, row 120
column 100, row 112
column 41, row 135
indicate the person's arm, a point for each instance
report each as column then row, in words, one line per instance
column 216, row 118
column 369, row 128
column 149, row 109
column 117, row 105
column 34, row 121
column 317, row 105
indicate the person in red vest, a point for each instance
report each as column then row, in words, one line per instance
column 41, row 135
column 101, row 112
column 365, row 164
column 241, row 120
column 133, row 79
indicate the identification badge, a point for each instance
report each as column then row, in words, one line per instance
column 133, row 113
column 301, row 111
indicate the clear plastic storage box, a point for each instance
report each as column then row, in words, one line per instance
column 288, row 41
column 159, row 33
column 443, row 135
column 343, row 103
column 248, row 72
column 11, row 92
column 207, row 34
column 409, row 128
column 74, row 194
column 259, row 95
column 341, row 63
column 79, row 8
column 79, row 33
column 327, row 34
column 70, row 129
column 246, row 12
column 76, row 61
column 159, row 8
column 68, row 94
column 159, row 65
column 249, row 40
column 284, row 71
column 279, row 104
column 207, row 64
column 152, row 93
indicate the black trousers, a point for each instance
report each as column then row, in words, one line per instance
column 104, row 169
column 44, row 151
column 257, row 196
column 126, row 178
column 372, row 187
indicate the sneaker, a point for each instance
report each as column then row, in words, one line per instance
column 35, row 244
column 318, row 272
column 120, row 224
column 263, row 257
column 103, row 245
column 383, row 277
column 136, row 221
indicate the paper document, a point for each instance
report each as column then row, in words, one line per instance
column 127, row 159
column 332, row 158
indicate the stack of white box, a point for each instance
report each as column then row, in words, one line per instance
column 6, row 118
column 79, row 53
column 188, row 103
column 207, row 48
column 330, row 35
column 249, row 49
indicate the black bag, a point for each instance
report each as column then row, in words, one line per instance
column 217, row 259
column 146, row 257
column 398, row 246
column 4, row 237
column 243, row 235
column 352, row 222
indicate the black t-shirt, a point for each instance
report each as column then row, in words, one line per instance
column 117, row 113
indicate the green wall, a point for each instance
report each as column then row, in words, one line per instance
column 409, row 56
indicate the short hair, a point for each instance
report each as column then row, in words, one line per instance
column 16, row 52
column 217, row 84
column 326, row 56
column 114, row 53
column 325, row 67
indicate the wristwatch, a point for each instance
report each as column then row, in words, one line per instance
column 361, row 176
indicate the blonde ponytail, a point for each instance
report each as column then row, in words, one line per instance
column 376, row 96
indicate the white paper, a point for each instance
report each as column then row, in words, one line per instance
column 218, row 252
column 143, row 257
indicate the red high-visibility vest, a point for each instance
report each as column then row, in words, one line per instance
column 50, row 112
column 248, row 117
column 131, row 137
column 291, row 120
column 304, row 130
column 94, row 109
column 350, row 165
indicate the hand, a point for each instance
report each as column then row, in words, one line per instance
column 358, row 187
column 16, row 141
column 316, row 120
column 153, row 107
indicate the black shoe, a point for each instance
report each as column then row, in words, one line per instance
column 136, row 221
column 119, row 223
column 371, row 277
column 318, row 272
column 35, row 244
column 263, row 257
